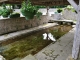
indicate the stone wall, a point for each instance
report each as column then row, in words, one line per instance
column 57, row 16
column 16, row 24
column 68, row 14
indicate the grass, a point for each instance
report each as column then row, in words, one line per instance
column 32, row 44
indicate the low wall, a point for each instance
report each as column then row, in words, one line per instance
column 16, row 24
column 66, row 14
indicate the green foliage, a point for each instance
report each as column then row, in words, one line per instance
column 38, row 15
column 0, row 12
column 28, row 6
column 59, row 10
column 5, row 12
column 28, row 10
column 73, row 10
column 15, row 15
column 69, row 7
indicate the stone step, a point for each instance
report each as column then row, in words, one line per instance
column 29, row 57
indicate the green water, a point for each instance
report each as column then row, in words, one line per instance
column 33, row 43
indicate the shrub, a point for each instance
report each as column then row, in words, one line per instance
column 59, row 10
column 15, row 15
column 0, row 12
column 5, row 12
column 38, row 14
column 28, row 10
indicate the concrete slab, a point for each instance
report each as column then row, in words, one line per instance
column 29, row 57
column 59, row 50
column 68, row 22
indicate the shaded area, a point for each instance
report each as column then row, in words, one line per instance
column 33, row 43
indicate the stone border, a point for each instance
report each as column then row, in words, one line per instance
column 20, row 34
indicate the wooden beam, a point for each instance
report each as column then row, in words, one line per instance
column 73, row 4
column 76, row 43
column 3, row 0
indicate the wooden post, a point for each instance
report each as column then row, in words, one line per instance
column 76, row 43
column 47, row 11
